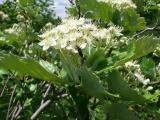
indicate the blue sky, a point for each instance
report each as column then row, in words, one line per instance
column 60, row 7
column 0, row 1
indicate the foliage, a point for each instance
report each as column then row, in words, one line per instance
column 100, row 63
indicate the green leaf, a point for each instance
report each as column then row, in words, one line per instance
column 131, row 20
column 153, row 97
column 24, row 3
column 48, row 66
column 69, row 65
column 136, row 49
column 119, row 111
column 96, row 10
column 117, row 85
column 91, row 83
column 148, row 67
column 96, row 60
column 27, row 67
column 3, row 72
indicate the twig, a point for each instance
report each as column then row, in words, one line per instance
column 4, row 86
column 14, row 112
column 78, row 8
column 10, row 102
column 87, row 12
column 80, row 54
column 46, row 93
column 154, row 83
column 63, row 95
column 71, row 2
column 146, row 30
column 39, row 110
column 94, row 103
column 20, row 108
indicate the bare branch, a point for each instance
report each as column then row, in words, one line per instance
column 156, row 28
column 14, row 112
column 40, row 109
column 4, row 86
column 46, row 94
column 10, row 102
column 20, row 108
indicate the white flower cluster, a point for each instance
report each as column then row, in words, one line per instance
column 73, row 33
column 3, row 16
column 16, row 29
column 133, row 66
column 20, row 18
column 120, row 4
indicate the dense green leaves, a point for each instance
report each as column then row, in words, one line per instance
column 24, row 3
column 131, row 20
column 128, row 18
column 91, row 84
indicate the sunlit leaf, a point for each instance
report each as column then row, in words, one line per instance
column 27, row 67
column 117, row 85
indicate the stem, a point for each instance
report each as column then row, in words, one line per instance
column 78, row 8
column 80, row 54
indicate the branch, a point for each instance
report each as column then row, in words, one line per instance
column 46, row 94
column 80, row 54
column 4, row 86
column 71, row 2
column 154, row 83
column 10, row 101
column 94, row 103
column 157, row 28
column 78, row 8
column 8, row 78
column 20, row 108
column 14, row 112
column 40, row 109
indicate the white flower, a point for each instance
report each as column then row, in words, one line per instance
column 120, row 4
column 149, row 88
column 16, row 29
column 20, row 18
column 115, row 31
column 47, row 43
column 132, row 65
column 141, row 78
column 73, row 33
column 3, row 16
